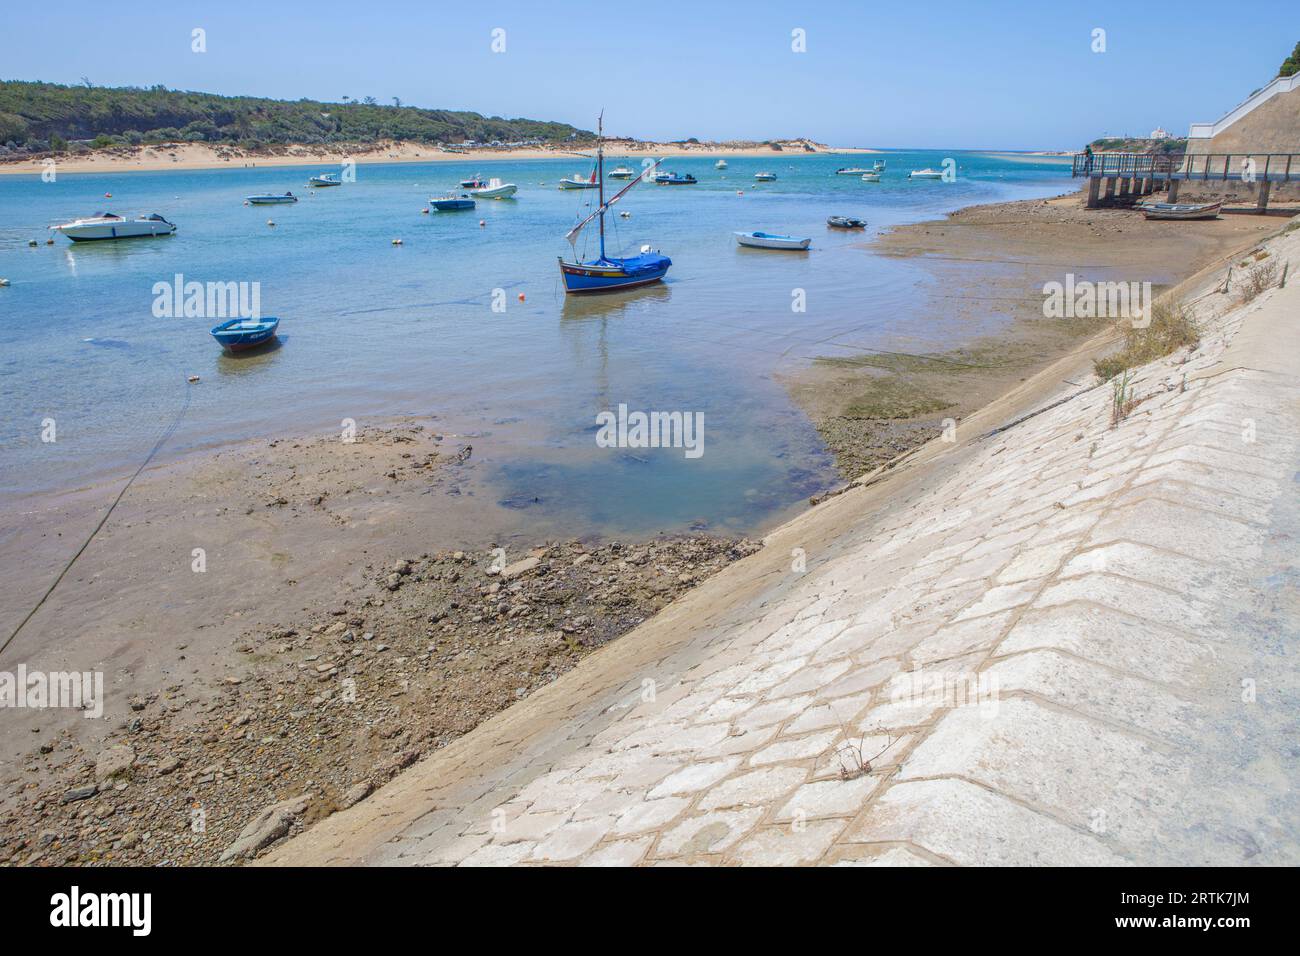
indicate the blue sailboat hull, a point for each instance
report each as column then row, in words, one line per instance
column 607, row 275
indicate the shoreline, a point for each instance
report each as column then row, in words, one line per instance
column 191, row 156
column 326, row 545
column 871, row 407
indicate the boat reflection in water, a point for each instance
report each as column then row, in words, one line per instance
column 614, row 305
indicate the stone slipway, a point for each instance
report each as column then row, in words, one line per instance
column 1064, row 643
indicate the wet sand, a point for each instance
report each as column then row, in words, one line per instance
column 988, row 265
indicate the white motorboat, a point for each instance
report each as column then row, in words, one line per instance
column 878, row 165
column 850, row 171
column 621, row 172
column 871, row 177
column 495, row 189
column 272, row 199
column 925, row 174
column 577, row 182
column 720, row 164
column 767, row 240
column 765, row 177
column 106, row 225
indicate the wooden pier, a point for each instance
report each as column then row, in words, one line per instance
column 1117, row 178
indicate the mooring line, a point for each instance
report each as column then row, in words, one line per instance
column 102, row 521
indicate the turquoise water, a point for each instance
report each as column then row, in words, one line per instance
column 371, row 330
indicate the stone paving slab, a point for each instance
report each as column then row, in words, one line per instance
column 1073, row 644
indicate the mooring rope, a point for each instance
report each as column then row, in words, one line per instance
column 170, row 430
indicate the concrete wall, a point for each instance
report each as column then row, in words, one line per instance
column 1272, row 126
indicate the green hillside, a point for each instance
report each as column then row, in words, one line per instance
column 39, row 116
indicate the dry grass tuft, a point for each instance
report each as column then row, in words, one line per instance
column 1260, row 277
column 1172, row 327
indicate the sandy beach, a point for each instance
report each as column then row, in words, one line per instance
column 336, row 567
column 202, row 156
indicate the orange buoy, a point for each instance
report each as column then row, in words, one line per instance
column 521, row 297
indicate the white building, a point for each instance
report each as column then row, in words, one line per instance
column 1159, row 133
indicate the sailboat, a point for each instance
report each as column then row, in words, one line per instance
column 606, row 273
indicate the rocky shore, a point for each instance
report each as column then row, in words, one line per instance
column 328, row 708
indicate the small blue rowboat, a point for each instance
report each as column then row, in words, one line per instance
column 240, row 334
column 448, row 203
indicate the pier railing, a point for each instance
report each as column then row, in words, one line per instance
column 1240, row 167
column 1126, row 165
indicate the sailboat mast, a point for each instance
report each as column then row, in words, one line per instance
column 600, row 178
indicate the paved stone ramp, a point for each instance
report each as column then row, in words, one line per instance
column 1073, row 645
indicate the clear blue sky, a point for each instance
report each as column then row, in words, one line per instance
column 1014, row 74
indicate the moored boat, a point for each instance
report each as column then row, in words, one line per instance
column 622, row 172
column 846, row 222
column 768, row 240
column 720, row 164
column 451, row 203
column 577, row 182
column 608, row 273
column 495, row 189
column 925, row 174
column 765, row 177
column 878, row 165
column 1167, row 210
column 673, row 179
column 871, row 177
column 237, row 335
column 106, row 225
column 325, row 180
column 851, row 171
column 474, row 182
column 272, row 200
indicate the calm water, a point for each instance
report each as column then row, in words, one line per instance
column 370, row 330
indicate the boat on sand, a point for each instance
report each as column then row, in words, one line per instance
column 1168, row 210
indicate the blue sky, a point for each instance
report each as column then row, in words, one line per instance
column 1012, row 75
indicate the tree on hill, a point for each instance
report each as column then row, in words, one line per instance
column 1291, row 65
column 33, row 116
